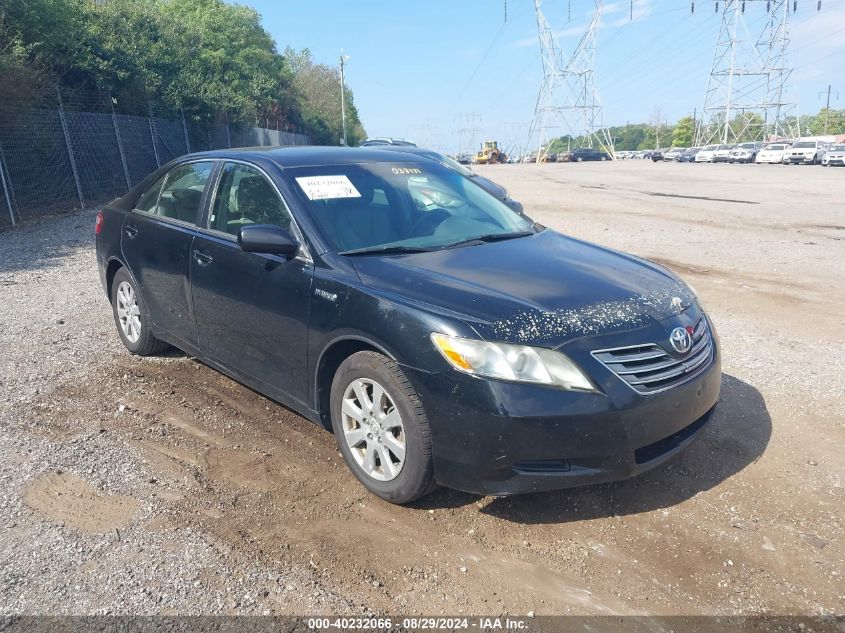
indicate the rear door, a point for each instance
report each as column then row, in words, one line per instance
column 251, row 309
column 156, row 244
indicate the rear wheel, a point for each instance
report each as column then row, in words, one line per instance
column 130, row 316
column 381, row 428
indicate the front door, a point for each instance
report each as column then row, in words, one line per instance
column 156, row 243
column 251, row 309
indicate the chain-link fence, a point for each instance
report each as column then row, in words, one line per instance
column 77, row 154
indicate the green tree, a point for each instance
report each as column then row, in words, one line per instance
column 826, row 122
column 683, row 132
column 317, row 87
column 209, row 57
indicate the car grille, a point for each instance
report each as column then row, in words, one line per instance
column 650, row 369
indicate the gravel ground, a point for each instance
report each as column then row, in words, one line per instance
column 159, row 486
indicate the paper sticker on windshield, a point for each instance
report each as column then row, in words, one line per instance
column 327, row 187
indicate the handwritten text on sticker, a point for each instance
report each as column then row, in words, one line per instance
column 327, row 187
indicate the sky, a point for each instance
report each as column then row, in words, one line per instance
column 451, row 73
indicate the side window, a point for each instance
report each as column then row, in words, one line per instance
column 245, row 196
column 147, row 202
column 182, row 192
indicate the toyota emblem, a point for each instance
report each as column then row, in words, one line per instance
column 680, row 340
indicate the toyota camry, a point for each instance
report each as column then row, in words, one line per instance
column 442, row 337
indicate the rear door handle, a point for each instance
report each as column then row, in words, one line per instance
column 131, row 231
column 202, row 258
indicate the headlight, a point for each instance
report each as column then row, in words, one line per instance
column 518, row 363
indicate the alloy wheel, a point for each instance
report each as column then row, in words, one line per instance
column 128, row 312
column 373, row 430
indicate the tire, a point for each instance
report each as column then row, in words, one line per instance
column 126, row 302
column 407, row 478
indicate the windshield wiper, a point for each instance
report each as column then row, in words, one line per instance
column 490, row 237
column 386, row 250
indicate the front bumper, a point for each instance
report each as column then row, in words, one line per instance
column 497, row 438
column 834, row 161
column 801, row 159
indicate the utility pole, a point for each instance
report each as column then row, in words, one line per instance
column 343, row 60
column 827, row 107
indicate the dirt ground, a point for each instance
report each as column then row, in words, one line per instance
column 108, row 460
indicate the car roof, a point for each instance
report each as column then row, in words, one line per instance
column 310, row 155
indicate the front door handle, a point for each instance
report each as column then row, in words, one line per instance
column 131, row 231
column 202, row 258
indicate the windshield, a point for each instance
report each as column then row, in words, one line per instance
column 709, row 148
column 726, row 146
column 801, row 144
column 837, row 148
column 413, row 206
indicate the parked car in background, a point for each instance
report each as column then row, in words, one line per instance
column 673, row 153
column 549, row 157
column 387, row 140
column 745, row 152
column 706, row 154
column 688, row 155
column 806, row 153
column 723, row 153
column 586, row 153
column 496, row 190
column 530, row 157
column 771, row 153
column 657, row 155
column 323, row 279
column 834, row 156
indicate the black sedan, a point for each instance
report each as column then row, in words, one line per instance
column 444, row 338
column 498, row 191
column 586, row 153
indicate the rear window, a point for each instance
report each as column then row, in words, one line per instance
column 803, row 144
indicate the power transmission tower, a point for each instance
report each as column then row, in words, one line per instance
column 568, row 101
column 748, row 93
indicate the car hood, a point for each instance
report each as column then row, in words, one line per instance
column 545, row 289
column 490, row 187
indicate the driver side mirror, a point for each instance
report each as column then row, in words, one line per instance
column 267, row 239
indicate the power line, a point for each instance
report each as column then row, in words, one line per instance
column 748, row 92
column 568, row 98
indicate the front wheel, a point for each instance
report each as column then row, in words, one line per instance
column 381, row 428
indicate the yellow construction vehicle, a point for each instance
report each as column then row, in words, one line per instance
column 490, row 154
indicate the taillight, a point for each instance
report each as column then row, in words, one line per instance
column 98, row 224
